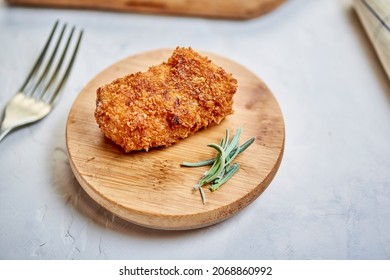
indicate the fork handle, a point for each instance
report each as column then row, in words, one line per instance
column 22, row 110
column 4, row 131
column 3, row 134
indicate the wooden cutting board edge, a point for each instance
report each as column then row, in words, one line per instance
column 224, row 9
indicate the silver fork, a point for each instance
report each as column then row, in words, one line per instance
column 41, row 90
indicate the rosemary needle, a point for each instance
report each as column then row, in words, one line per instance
column 221, row 169
column 198, row 163
column 202, row 195
column 224, row 179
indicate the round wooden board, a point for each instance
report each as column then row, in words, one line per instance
column 151, row 188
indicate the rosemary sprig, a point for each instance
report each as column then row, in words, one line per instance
column 222, row 166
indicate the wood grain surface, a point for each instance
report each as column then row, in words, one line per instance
column 236, row 9
column 375, row 17
column 151, row 188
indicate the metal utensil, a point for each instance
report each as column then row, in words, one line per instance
column 41, row 90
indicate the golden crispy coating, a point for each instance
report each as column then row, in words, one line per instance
column 167, row 103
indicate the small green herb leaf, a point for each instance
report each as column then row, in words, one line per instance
column 221, row 169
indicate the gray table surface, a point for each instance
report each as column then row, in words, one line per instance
column 330, row 198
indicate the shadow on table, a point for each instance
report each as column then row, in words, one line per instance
column 74, row 195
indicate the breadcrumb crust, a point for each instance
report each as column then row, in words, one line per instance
column 165, row 104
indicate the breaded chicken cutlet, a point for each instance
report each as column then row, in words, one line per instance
column 168, row 102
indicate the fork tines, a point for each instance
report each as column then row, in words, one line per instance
column 53, row 65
